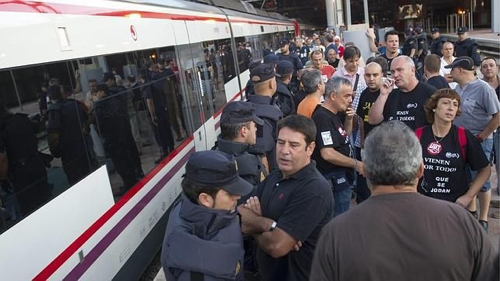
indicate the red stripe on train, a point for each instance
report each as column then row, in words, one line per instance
column 78, row 243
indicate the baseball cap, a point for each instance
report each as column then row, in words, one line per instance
column 239, row 112
column 408, row 31
column 271, row 58
column 213, row 168
column 106, row 76
column 435, row 29
column 463, row 62
column 263, row 72
column 418, row 29
column 284, row 67
column 253, row 64
column 462, row 30
column 284, row 42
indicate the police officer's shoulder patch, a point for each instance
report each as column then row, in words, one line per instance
column 478, row 51
column 327, row 138
column 238, row 268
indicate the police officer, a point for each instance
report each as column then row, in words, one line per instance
column 22, row 171
column 120, row 103
column 238, row 136
column 249, row 87
column 422, row 50
column 466, row 46
column 203, row 237
column 116, row 135
column 283, row 96
column 69, row 136
column 294, row 59
column 264, row 80
column 437, row 42
column 410, row 44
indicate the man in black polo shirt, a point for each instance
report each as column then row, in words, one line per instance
column 291, row 207
column 333, row 152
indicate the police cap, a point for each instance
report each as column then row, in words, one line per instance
column 271, row 58
column 408, row 31
column 284, row 67
column 213, row 168
column 462, row 30
column 284, row 42
column 107, row 75
column 464, row 62
column 435, row 30
column 262, row 73
column 253, row 64
column 239, row 112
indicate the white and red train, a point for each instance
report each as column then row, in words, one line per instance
column 83, row 233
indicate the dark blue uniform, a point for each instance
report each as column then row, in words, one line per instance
column 26, row 170
column 409, row 44
column 267, row 110
column 437, row 46
column 68, row 120
column 468, row 47
column 284, row 99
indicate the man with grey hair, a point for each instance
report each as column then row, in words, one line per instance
column 398, row 233
column 406, row 102
column 314, row 88
column 333, row 153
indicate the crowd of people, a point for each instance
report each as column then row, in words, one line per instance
column 408, row 133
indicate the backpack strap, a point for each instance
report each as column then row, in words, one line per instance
column 462, row 140
column 419, row 132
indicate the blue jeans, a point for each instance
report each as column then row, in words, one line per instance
column 342, row 200
column 487, row 148
column 341, row 193
column 496, row 145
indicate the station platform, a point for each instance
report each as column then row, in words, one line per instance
column 494, row 224
column 489, row 42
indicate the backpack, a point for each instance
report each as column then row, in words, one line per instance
column 462, row 139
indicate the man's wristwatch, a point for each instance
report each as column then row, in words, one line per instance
column 273, row 226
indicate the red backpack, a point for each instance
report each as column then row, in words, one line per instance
column 462, row 139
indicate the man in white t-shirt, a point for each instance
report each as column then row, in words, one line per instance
column 447, row 59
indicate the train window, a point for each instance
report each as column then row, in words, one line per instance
column 255, row 47
column 244, row 53
column 43, row 135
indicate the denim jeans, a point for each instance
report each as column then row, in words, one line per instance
column 487, row 148
column 341, row 196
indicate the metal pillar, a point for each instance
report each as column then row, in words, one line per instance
column 348, row 13
column 495, row 19
column 330, row 14
column 367, row 18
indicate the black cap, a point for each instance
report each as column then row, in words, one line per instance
column 284, row 67
column 284, row 42
column 408, row 31
column 435, row 29
column 462, row 30
column 262, row 73
column 107, row 75
column 239, row 112
column 464, row 62
column 418, row 29
column 218, row 169
column 253, row 64
column 271, row 58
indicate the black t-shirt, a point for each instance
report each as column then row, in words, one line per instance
column 404, row 236
column 301, row 205
column 366, row 100
column 444, row 176
column 438, row 82
column 408, row 107
column 389, row 61
column 329, row 133
column 334, row 64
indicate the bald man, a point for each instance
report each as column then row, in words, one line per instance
column 406, row 103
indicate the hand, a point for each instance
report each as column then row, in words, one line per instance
column 448, row 78
column 370, row 34
column 154, row 119
column 464, row 200
column 245, row 214
column 387, row 86
column 350, row 112
column 77, row 74
column 253, row 204
column 360, row 168
column 479, row 138
column 297, row 246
